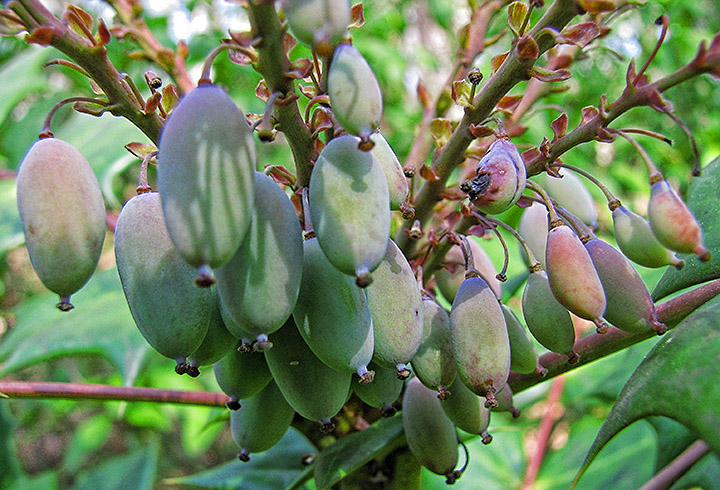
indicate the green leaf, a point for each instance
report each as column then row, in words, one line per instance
column 21, row 76
column 673, row 438
column 702, row 201
column 9, row 465
column 353, row 451
column 100, row 324
column 274, row 469
column 11, row 232
column 678, row 379
column 135, row 470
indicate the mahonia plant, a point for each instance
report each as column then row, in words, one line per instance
column 319, row 282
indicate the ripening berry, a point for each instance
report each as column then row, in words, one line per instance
column 572, row 275
column 63, row 216
column 500, row 179
column 673, row 223
column 629, row 305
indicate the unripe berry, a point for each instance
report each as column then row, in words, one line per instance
column 533, row 228
column 548, row 321
column 673, row 223
column 205, row 176
column 571, row 193
column 354, row 92
column 638, row 243
column 500, row 179
column 430, row 433
column 318, row 23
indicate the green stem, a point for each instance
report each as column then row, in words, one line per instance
column 272, row 64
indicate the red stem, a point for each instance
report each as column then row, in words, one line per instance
column 83, row 391
column 544, row 432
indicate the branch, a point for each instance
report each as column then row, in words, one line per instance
column 94, row 60
column 513, row 70
column 273, row 64
column 678, row 467
column 630, row 98
column 596, row 346
column 82, row 391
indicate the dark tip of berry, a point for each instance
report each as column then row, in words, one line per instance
column 408, row 213
column 573, row 357
column 261, row 345
column 193, row 371
column 388, row 411
column 443, row 393
column 486, row 438
column 64, row 304
column 233, row 404
column 182, row 367
column 245, row 348
column 515, row 412
column 327, row 427
column 367, row 377
column 403, row 372
column 205, row 277
column 363, row 279
column 244, row 456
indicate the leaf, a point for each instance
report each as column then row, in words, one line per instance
column 545, row 75
column 517, row 12
column 440, row 130
column 702, row 201
column 357, row 16
column 100, row 324
column 677, row 379
column 461, row 93
column 354, row 450
column 527, row 48
column 135, row 470
column 20, row 76
column 673, row 438
column 274, row 469
column 11, row 231
column 497, row 62
column 9, row 464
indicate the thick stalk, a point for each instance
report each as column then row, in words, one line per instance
column 273, row 64
column 596, row 346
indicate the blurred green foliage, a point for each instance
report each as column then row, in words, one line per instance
column 69, row 444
